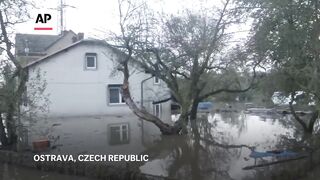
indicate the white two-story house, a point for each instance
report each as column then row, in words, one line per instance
column 82, row 78
column 82, row 88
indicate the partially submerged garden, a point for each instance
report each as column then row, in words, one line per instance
column 274, row 68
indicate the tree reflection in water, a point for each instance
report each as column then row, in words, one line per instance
column 219, row 145
column 197, row 155
column 13, row 172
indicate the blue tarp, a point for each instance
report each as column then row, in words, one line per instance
column 255, row 154
column 205, row 105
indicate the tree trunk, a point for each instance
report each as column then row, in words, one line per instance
column 11, row 126
column 297, row 118
column 3, row 136
column 307, row 128
column 165, row 128
column 183, row 119
column 312, row 121
column 194, row 110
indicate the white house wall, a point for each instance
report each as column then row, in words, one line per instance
column 78, row 135
column 75, row 91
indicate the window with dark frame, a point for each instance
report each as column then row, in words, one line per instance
column 91, row 61
column 115, row 96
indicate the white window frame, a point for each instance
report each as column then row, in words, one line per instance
column 120, row 95
column 94, row 55
column 155, row 106
column 122, row 140
column 156, row 80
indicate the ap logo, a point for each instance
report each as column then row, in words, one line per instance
column 42, row 22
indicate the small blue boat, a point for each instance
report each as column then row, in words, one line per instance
column 205, row 106
column 285, row 153
column 282, row 156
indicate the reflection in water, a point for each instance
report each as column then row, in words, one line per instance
column 218, row 146
column 119, row 133
column 10, row 172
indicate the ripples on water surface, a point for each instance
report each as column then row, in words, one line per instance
column 203, row 154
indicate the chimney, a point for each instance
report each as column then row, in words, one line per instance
column 80, row 36
column 74, row 39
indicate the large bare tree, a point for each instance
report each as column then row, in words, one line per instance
column 186, row 51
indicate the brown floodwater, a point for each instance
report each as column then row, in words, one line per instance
column 210, row 151
column 12, row 172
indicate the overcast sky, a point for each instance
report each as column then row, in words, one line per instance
column 87, row 16
column 95, row 17
column 92, row 17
